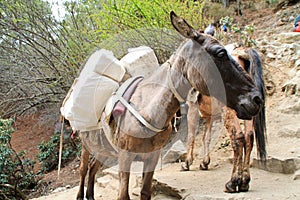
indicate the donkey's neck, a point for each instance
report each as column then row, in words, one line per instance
column 177, row 83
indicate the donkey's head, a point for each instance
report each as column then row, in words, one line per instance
column 212, row 71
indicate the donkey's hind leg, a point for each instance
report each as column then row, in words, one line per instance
column 94, row 166
column 148, row 171
column 84, row 161
column 206, row 142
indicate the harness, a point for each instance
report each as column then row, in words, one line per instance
column 123, row 99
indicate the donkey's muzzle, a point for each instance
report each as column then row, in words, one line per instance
column 250, row 106
column 258, row 100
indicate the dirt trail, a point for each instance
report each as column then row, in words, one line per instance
column 205, row 185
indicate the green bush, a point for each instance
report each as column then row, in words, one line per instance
column 49, row 152
column 132, row 23
column 242, row 35
column 17, row 173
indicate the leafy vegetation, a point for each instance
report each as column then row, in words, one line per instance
column 17, row 177
column 17, row 174
column 242, row 35
column 49, row 151
column 41, row 55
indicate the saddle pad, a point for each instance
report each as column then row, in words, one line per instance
column 129, row 85
column 119, row 108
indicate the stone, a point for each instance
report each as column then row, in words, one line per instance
column 136, row 191
column 292, row 72
column 292, row 86
column 271, row 56
column 68, row 186
column 289, row 37
column 291, row 18
column 289, row 131
column 160, row 186
column 296, row 175
column 59, row 189
column 112, row 171
column 276, row 165
column 296, row 46
column 104, row 180
column 177, row 150
column 297, row 64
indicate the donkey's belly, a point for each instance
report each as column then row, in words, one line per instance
column 97, row 144
column 139, row 144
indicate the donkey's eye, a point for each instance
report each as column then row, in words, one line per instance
column 218, row 51
column 221, row 53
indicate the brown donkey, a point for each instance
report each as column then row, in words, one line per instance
column 143, row 130
column 241, row 140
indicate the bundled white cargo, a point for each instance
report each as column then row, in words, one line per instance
column 98, row 80
column 140, row 61
column 87, row 97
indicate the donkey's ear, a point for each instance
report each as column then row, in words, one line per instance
column 185, row 29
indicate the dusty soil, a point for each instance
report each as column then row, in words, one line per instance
column 32, row 129
column 204, row 185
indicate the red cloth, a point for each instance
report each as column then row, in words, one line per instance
column 297, row 28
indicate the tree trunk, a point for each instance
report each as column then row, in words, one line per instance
column 238, row 7
column 225, row 3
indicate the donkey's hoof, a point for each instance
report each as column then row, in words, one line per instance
column 89, row 197
column 185, row 166
column 230, row 187
column 243, row 188
column 203, row 166
column 205, row 162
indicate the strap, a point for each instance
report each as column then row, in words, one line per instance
column 137, row 115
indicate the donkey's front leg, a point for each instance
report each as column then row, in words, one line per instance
column 125, row 160
column 237, row 141
column 148, row 170
column 249, row 138
column 192, row 119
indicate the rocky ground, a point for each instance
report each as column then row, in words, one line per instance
column 279, row 179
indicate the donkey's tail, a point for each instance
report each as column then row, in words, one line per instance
column 259, row 120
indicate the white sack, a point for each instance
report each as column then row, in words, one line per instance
column 89, row 101
column 140, row 61
column 87, row 97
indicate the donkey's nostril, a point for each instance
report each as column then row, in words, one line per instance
column 257, row 100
